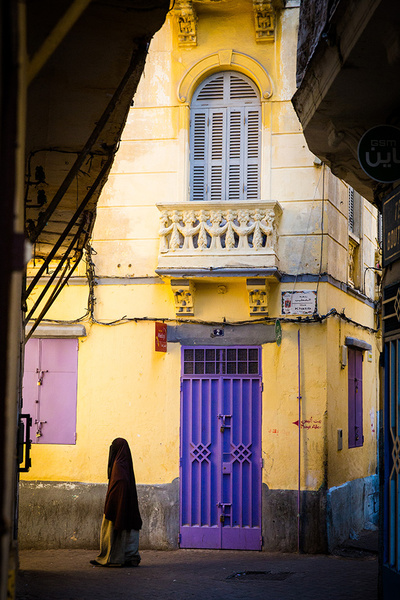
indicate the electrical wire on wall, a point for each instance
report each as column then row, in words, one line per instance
column 89, row 315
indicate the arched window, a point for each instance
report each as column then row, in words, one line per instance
column 225, row 139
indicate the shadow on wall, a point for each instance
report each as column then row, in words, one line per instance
column 280, row 524
column 68, row 515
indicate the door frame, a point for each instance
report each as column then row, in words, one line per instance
column 246, row 535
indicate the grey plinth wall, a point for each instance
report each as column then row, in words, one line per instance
column 352, row 507
column 68, row 515
column 283, row 532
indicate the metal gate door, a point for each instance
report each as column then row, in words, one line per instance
column 221, row 448
column 391, row 511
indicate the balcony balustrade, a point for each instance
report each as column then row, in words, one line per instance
column 215, row 235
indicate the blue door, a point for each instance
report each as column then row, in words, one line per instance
column 221, row 448
column 391, row 511
column 391, row 443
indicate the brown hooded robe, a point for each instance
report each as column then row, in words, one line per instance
column 121, row 505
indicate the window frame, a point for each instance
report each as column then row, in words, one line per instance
column 224, row 158
column 50, row 389
column 355, row 397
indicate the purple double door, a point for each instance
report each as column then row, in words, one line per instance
column 221, row 448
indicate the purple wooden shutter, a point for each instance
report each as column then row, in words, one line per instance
column 49, row 389
column 30, row 388
column 355, row 398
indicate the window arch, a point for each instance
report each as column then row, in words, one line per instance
column 225, row 132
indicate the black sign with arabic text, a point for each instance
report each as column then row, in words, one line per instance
column 391, row 227
column 379, row 153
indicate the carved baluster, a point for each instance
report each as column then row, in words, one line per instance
column 165, row 230
column 215, row 230
column 268, row 228
column 188, row 230
column 257, row 236
column 175, row 241
column 243, row 230
column 230, row 234
column 202, row 217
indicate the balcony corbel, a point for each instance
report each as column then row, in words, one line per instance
column 258, row 296
column 183, row 290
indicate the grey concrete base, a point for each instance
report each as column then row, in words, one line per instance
column 352, row 507
column 68, row 515
column 283, row 531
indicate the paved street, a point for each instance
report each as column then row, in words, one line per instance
column 198, row 575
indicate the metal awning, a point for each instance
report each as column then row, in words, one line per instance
column 85, row 61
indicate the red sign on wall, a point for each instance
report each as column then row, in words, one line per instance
column 161, row 337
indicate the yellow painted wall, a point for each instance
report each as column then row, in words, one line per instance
column 124, row 387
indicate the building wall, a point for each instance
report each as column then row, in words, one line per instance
column 127, row 389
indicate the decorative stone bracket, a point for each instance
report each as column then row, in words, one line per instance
column 258, row 296
column 186, row 20
column 264, row 17
column 183, row 290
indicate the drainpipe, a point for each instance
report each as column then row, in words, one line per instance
column 299, row 465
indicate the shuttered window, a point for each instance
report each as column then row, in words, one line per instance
column 50, row 389
column 355, row 378
column 351, row 209
column 225, row 139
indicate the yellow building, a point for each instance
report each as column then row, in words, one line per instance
column 224, row 242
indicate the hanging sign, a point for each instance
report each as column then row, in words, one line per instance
column 391, row 227
column 379, row 153
column 299, row 303
column 161, row 337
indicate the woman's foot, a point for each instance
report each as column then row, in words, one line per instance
column 97, row 564
column 132, row 563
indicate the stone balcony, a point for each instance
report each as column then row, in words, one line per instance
column 226, row 237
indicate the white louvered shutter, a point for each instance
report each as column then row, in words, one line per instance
column 225, row 139
column 216, row 157
column 199, row 145
column 351, row 209
column 235, row 154
column 252, row 162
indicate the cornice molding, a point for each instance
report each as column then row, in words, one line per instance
column 224, row 60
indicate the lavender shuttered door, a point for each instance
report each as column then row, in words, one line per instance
column 221, row 448
column 50, row 389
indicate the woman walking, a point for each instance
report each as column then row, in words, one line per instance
column 119, row 536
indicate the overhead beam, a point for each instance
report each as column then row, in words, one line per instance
column 55, row 38
column 56, row 270
column 57, row 290
column 72, row 222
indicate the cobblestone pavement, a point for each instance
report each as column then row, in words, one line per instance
column 197, row 575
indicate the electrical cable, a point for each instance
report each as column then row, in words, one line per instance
column 89, row 315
